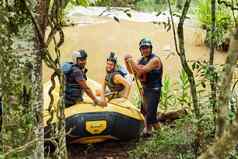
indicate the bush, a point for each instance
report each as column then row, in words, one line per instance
column 115, row 3
column 170, row 142
column 150, row 5
column 223, row 23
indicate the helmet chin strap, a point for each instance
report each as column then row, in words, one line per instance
column 147, row 55
column 81, row 66
column 111, row 70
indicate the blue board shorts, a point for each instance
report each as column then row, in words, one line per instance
column 151, row 99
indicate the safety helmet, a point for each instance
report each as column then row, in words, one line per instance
column 145, row 42
column 81, row 54
column 112, row 57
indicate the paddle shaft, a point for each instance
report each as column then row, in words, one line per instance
column 136, row 79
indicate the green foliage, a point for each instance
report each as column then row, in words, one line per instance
column 72, row 3
column 167, row 98
column 223, row 22
column 183, row 95
column 171, row 142
column 15, row 68
column 233, row 103
column 136, row 99
column 79, row 2
column 175, row 95
column 151, row 5
column 204, row 74
column 115, row 3
column 234, row 154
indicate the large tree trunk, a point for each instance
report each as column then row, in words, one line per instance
column 224, row 94
column 228, row 137
column 21, row 83
column 42, row 18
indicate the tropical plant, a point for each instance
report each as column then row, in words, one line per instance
column 183, row 96
column 223, row 23
column 167, row 97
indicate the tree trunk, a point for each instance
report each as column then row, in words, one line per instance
column 184, row 60
column 21, row 74
column 189, row 73
column 211, row 59
column 224, row 93
column 228, row 137
column 42, row 13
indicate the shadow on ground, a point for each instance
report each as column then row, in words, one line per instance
column 105, row 150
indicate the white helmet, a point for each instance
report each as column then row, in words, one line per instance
column 81, row 54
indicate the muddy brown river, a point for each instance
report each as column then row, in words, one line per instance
column 101, row 38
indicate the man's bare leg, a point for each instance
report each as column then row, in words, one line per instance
column 156, row 126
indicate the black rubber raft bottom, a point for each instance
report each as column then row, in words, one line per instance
column 118, row 126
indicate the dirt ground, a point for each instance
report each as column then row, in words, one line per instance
column 106, row 150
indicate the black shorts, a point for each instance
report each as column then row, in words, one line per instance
column 151, row 100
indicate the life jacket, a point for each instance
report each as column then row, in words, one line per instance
column 152, row 79
column 109, row 79
column 73, row 91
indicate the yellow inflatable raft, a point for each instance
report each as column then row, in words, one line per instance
column 90, row 123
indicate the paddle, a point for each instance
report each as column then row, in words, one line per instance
column 138, row 84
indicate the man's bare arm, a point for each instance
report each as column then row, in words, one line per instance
column 103, row 91
column 88, row 91
column 118, row 79
column 153, row 64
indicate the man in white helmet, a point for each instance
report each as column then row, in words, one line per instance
column 75, row 74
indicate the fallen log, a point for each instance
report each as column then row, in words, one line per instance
column 168, row 117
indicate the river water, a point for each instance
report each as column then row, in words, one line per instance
column 99, row 35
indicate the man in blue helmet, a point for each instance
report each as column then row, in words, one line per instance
column 149, row 69
column 75, row 78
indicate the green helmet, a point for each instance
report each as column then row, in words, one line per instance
column 145, row 42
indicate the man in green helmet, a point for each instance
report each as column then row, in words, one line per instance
column 149, row 70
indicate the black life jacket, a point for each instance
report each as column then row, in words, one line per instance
column 151, row 79
column 110, row 84
column 73, row 91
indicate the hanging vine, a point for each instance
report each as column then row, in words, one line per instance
column 52, row 60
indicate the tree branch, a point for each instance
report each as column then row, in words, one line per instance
column 37, row 26
column 173, row 26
